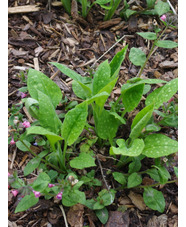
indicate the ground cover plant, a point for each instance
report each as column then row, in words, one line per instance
column 56, row 162
column 65, row 150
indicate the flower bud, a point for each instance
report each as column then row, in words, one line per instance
column 15, row 192
column 37, row 194
column 26, row 124
column 51, row 185
column 12, row 141
column 59, row 195
column 23, row 95
column 163, row 17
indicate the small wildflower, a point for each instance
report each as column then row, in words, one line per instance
column 51, row 185
column 35, row 144
column 37, row 194
column 15, row 192
column 26, row 124
column 59, row 196
column 163, row 17
column 12, row 141
column 23, row 95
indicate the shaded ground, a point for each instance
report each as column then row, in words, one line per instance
column 35, row 39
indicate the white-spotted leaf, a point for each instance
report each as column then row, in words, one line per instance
column 74, row 123
column 148, row 35
column 137, row 56
column 84, row 160
column 158, row 145
column 161, row 7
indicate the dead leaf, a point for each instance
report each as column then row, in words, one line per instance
column 157, row 74
column 75, row 215
column 168, row 64
column 174, row 56
column 124, row 200
column 173, row 221
column 137, row 200
column 176, row 72
column 18, row 52
column 174, row 209
column 118, row 219
column 147, row 181
column 158, row 221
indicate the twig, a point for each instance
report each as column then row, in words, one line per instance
column 63, row 212
column 101, row 169
column 13, row 158
column 111, row 48
column 55, row 74
column 12, row 92
column 173, row 10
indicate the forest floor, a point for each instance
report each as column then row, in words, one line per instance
column 37, row 38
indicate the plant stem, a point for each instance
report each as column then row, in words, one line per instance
column 43, row 160
column 150, row 53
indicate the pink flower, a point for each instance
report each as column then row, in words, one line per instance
column 51, row 185
column 23, row 95
column 12, row 141
column 163, row 17
column 15, row 192
column 59, row 195
column 26, row 124
column 37, row 194
column 9, row 174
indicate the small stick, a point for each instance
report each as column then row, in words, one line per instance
column 27, row 114
column 55, row 74
column 12, row 92
column 13, row 158
column 173, row 10
column 102, row 173
column 63, row 212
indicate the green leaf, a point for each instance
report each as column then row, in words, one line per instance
column 21, row 146
column 26, row 202
column 135, row 149
column 74, row 123
column 163, row 174
column 158, row 145
column 41, row 182
column 133, row 180
column 148, row 35
column 135, row 165
column 117, row 61
column 150, row 3
column 47, row 116
column 137, row 56
column 101, row 77
column 129, row 13
column 118, row 117
column 72, row 197
column 140, row 121
column 146, row 89
column 132, row 96
column 81, row 90
column 106, row 125
column 175, row 170
column 84, row 160
column 39, row 81
column 31, row 105
column 106, row 197
column 31, row 165
column 166, row 44
column 154, row 199
column 119, row 177
column 161, row 7
column 97, row 97
column 153, row 173
column 102, row 215
column 52, row 137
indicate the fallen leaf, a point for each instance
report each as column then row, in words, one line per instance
column 137, row 200
column 75, row 215
column 174, row 209
column 118, row 219
column 158, row 221
column 124, row 200
column 173, row 221
column 157, row 74
column 168, row 64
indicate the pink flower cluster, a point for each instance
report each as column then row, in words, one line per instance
column 15, row 192
column 23, row 95
column 51, row 185
column 59, row 195
column 12, row 141
column 163, row 17
column 37, row 194
column 26, row 124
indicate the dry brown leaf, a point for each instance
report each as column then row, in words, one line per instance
column 118, row 219
column 174, row 209
column 124, row 200
column 137, row 200
column 168, row 64
column 158, row 221
column 75, row 215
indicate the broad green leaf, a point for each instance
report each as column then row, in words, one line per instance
column 72, row 197
column 152, row 128
column 31, row 165
column 135, row 149
column 102, row 215
column 140, row 121
column 118, row 117
column 81, row 90
column 153, row 173
column 108, row 88
column 119, row 177
column 26, row 202
column 163, row 173
column 69, row 72
column 21, row 146
column 146, row 89
column 102, row 2
column 166, row 44
column 41, row 182
column 74, row 123
column 158, row 145
column 52, row 137
column 39, row 81
column 84, row 160
column 150, row 3
column 137, row 56
column 106, row 197
column 47, row 116
column 31, row 105
column 117, row 61
column 131, row 97
column 161, row 7
column 135, row 165
column 97, row 97
column 133, row 180
column 101, row 77
column 129, row 13
column 154, row 199
column 106, row 125
column 148, row 35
